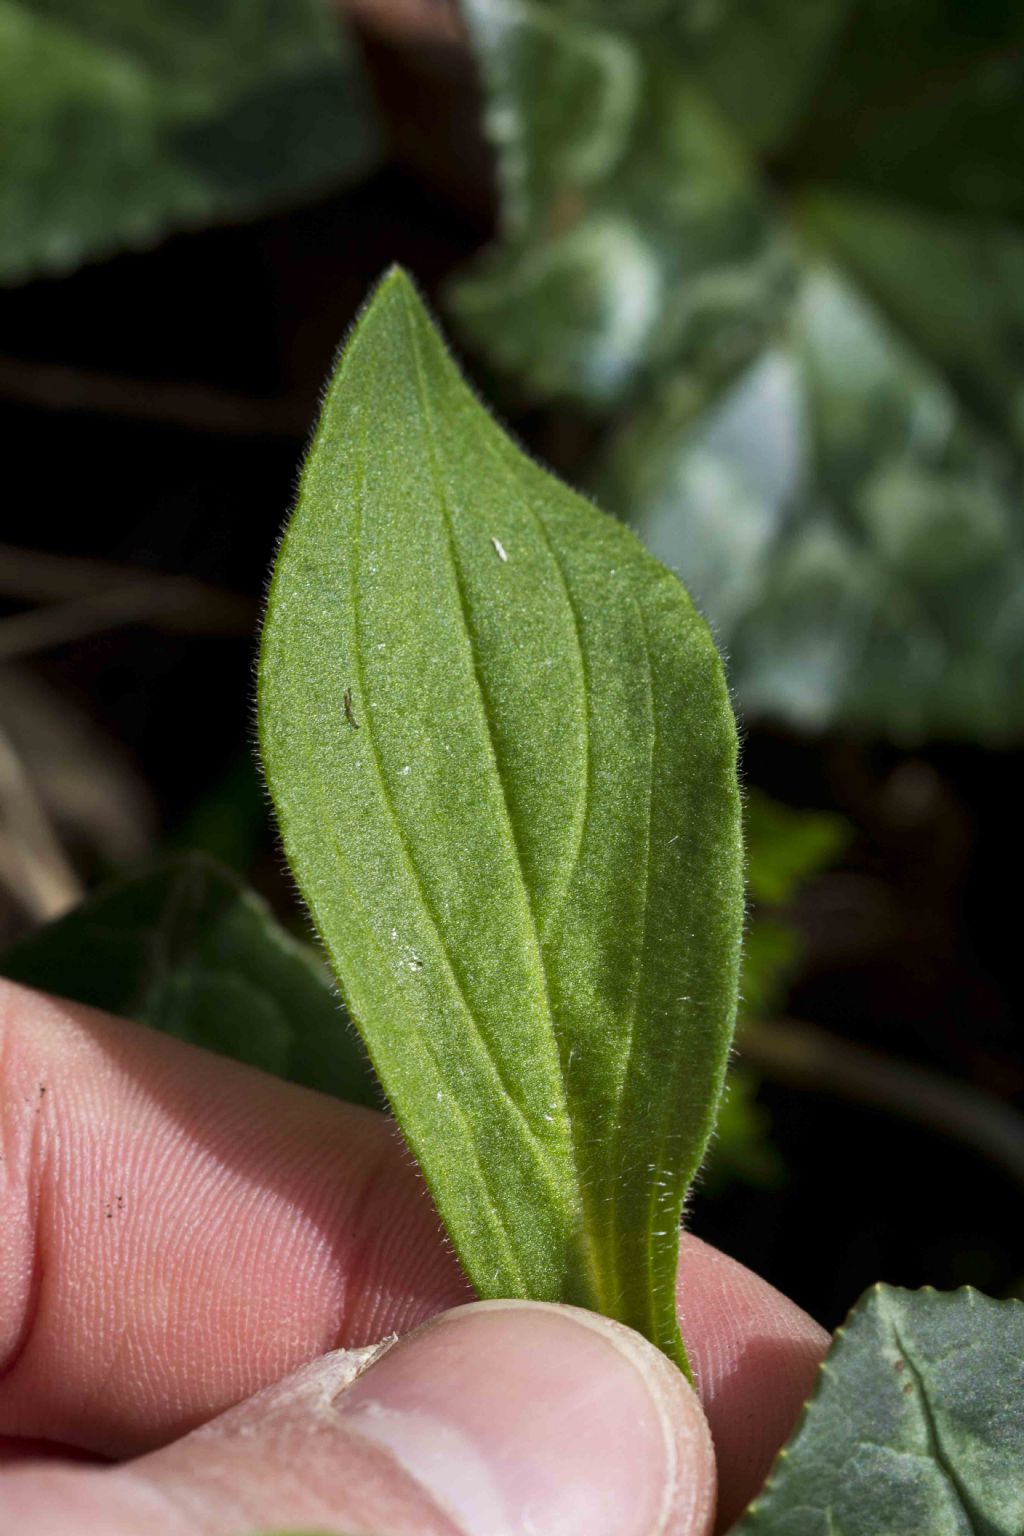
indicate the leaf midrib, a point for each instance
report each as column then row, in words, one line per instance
column 414, row 871
column 593, row 1269
column 549, row 925
column 321, row 430
column 978, row 1522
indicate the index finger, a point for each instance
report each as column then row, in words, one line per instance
column 181, row 1230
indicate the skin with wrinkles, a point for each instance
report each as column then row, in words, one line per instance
column 252, row 1188
column 259, row 1225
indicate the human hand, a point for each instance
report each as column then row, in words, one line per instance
column 179, row 1232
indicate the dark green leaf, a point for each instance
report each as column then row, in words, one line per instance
column 915, row 1428
column 855, row 537
column 124, row 119
column 186, row 949
column 606, row 274
column 922, row 101
column 826, row 386
column 742, row 1151
column 786, row 847
column 503, row 760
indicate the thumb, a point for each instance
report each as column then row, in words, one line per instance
column 496, row 1419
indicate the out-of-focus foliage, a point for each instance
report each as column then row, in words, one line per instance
column 120, row 119
column 742, row 1151
column 229, row 823
column 782, row 242
column 185, row 948
column 785, row 850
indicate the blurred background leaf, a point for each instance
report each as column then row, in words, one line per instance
column 812, row 339
column 185, row 948
column 121, row 119
column 786, row 850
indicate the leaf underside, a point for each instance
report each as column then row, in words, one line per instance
column 185, row 948
column 503, row 760
column 915, row 1428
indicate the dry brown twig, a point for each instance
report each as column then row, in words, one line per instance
column 807, row 1057
column 80, row 597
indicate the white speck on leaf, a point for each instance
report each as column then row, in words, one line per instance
column 499, row 549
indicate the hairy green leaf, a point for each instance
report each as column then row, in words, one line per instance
column 915, row 1428
column 734, row 221
column 503, row 758
column 187, row 949
column 124, row 119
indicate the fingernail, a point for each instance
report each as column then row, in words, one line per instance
column 522, row 1419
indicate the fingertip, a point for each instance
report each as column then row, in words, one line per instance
column 524, row 1416
column 511, row 1417
column 755, row 1356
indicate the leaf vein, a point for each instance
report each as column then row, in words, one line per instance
column 413, row 868
column 977, row 1522
column 541, row 965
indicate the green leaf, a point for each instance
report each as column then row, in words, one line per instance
column 742, row 1151
column 853, row 534
column 915, row 1426
column 503, row 759
column 605, row 275
column 187, row 949
column 786, row 847
column 124, row 119
column 819, row 353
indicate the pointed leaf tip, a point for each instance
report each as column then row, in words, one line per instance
column 503, row 758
